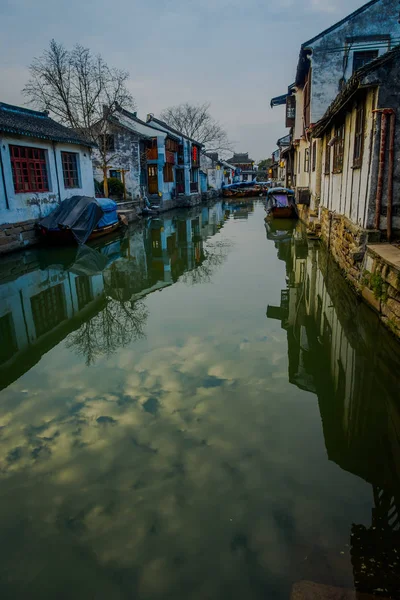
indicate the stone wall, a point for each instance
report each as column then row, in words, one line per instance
column 380, row 284
column 14, row 236
column 347, row 242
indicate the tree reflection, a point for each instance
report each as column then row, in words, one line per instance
column 211, row 258
column 114, row 327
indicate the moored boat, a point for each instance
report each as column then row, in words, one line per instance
column 80, row 219
column 280, row 204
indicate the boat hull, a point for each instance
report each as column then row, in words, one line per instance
column 282, row 212
column 64, row 237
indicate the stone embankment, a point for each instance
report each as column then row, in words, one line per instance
column 372, row 268
column 16, row 236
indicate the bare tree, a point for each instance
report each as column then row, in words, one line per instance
column 114, row 327
column 196, row 122
column 81, row 91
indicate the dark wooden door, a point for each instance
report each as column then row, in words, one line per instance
column 152, row 179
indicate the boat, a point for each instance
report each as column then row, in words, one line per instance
column 80, row 219
column 245, row 189
column 280, row 204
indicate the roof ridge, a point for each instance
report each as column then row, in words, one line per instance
column 338, row 23
column 173, row 130
column 23, row 110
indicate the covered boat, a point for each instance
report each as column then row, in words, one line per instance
column 280, row 204
column 79, row 219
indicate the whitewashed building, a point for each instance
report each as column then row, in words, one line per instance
column 326, row 63
column 41, row 164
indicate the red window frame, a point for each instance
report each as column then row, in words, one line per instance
column 70, row 169
column 29, row 169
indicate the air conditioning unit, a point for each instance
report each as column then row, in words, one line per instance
column 303, row 196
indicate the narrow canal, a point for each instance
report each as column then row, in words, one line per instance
column 199, row 410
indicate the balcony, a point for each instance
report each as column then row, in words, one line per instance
column 194, row 187
column 152, row 153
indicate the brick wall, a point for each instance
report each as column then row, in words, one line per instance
column 15, row 236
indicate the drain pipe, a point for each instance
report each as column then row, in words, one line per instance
column 379, row 190
column 382, row 154
column 390, row 176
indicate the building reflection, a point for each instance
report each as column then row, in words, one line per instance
column 239, row 208
column 329, row 333
column 93, row 294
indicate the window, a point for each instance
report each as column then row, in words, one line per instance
column 327, row 155
column 83, row 291
column 298, row 161
column 48, row 309
column 8, row 344
column 314, row 155
column 362, row 58
column 70, row 169
column 338, row 149
column 171, row 145
column 168, row 173
column 29, row 169
column 116, row 174
column 359, row 136
column 307, row 160
column 107, row 142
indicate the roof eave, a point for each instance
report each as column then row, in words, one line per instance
column 76, row 141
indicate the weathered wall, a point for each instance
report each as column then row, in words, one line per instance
column 348, row 192
column 27, row 206
column 329, row 67
column 388, row 97
column 302, row 177
column 125, row 156
column 316, row 174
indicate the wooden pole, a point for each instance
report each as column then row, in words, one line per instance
column 105, row 182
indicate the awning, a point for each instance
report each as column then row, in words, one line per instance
column 279, row 100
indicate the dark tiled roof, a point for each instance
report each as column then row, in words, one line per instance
column 179, row 133
column 23, row 121
column 240, row 159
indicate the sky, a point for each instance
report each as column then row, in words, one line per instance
column 236, row 55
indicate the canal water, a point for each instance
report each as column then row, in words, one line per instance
column 199, row 409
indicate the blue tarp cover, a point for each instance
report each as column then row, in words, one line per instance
column 81, row 214
column 110, row 216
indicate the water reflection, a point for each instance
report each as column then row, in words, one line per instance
column 338, row 350
column 191, row 462
column 93, row 294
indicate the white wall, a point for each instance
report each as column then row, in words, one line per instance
column 347, row 193
column 31, row 205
